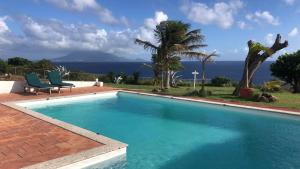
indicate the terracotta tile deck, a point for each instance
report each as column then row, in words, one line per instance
column 25, row 140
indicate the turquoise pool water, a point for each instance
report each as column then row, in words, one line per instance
column 171, row 134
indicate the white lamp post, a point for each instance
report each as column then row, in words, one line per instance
column 195, row 73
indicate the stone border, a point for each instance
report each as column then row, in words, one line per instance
column 270, row 110
column 110, row 149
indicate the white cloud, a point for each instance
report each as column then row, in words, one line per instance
column 241, row 24
column 221, row 14
column 269, row 38
column 56, row 38
column 263, row 17
column 53, row 38
column 146, row 32
column 105, row 14
column 294, row 32
column 3, row 26
column 289, row 2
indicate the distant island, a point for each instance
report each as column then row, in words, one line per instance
column 93, row 56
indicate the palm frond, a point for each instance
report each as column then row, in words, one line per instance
column 193, row 54
column 196, row 31
column 147, row 45
column 196, row 46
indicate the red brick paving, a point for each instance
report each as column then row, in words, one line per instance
column 25, row 140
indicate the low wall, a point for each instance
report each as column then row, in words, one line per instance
column 11, row 86
column 18, row 86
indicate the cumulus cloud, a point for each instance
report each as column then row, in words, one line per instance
column 294, row 32
column 3, row 26
column 105, row 14
column 54, row 38
column 289, row 2
column 242, row 24
column 146, row 31
column 7, row 37
column 221, row 14
column 263, row 17
column 269, row 38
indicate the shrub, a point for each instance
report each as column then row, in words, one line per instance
column 43, row 64
column 136, row 77
column 265, row 97
column 82, row 76
column 272, row 86
column 111, row 76
column 18, row 61
column 3, row 66
column 221, row 81
column 199, row 93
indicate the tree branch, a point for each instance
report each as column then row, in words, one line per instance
column 278, row 45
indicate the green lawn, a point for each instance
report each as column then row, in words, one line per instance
column 286, row 99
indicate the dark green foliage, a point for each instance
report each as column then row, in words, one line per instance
column 221, row 81
column 43, row 64
column 136, row 77
column 265, row 97
column 111, row 76
column 82, row 76
column 3, row 66
column 287, row 68
column 18, row 61
column 199, row 93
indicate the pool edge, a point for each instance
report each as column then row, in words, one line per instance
column 271, row 110
column 110, row 149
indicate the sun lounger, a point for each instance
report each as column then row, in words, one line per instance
column 34, row 82
column 55, row 79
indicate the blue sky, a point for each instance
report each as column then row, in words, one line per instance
column 52, row 28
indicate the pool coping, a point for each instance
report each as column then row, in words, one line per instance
column 271, row 110
column 110, row 149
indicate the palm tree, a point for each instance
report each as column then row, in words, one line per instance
column 204, row 59
column 173, row 38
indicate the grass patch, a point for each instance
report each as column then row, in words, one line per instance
column 286, row 99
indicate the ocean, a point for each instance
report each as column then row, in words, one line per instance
column 230, row 69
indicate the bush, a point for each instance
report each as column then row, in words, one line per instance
column 136, row 77
column 82, row 76
column 221, row 81
column 43, row 64
column 272, row 86
column 265, row 97
column 18, row 61
column 3, row 66
column 199, row 93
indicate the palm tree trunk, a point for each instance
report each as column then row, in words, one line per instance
column 162, row 80
column 203, row 76
column 167, row 85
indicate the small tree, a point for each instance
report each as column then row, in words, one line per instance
column 204, row 59
column 3, row 66
column 257, row 54
column 43, row 64
column 287, row 68
column 18, row 61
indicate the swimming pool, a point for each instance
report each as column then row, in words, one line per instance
column 174, row 134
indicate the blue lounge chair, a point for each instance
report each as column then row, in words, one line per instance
column 55, row 79
column 34, row 82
